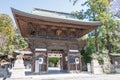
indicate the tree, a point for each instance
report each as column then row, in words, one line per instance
column 98, row 11
column 115, row 9
column 109, row 25
column 91, row 13
column 88, row 50
column 19, row 42
column 6, row 33
column 116, row 39
column 9, row 39
column 54, row 61
column 97, row 8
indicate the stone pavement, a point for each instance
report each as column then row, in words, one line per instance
column 20, row 75
column 69, row 76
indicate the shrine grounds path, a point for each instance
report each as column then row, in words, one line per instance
column 69, row 76
column 55, row 74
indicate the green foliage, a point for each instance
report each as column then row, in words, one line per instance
column 98, row 56
column 79, row 15
column 6, row 33
column 98, row 11
column 100, row 59
column 54, row 60
column 8, row 39
column 86, row 56
column 116, row 39
column 6, row 26
column 107, row 36
column 87, row 51
column 19, row 42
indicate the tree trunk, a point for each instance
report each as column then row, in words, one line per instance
column 108, row 44
column 96, row 41
column 96, row 36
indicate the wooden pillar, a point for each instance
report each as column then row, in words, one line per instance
column 61, row 62
column 80, row 58
column 33, row 57
column 47, row 58
column 68, row 63
column 33, row 62
column 65, row 62
column 80, row 62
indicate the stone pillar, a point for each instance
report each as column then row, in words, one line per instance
column 89, row 67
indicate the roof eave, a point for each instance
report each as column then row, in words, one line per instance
column 70, row 21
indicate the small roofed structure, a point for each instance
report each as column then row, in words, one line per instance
column 46, row 31
column 25, row 53
column 115, row 58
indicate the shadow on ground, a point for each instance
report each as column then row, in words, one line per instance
column 50, row 71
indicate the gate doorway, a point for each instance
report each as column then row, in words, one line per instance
column 56, row 61
column 41, row 31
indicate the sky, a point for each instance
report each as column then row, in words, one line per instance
column 29, row 5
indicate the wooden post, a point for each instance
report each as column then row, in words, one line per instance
column 33, row 57
column 80, row 62
column 47, row 60
column 80, row 57
column 68, row 64
column 33, row 61
column 46, row 55
column 61, row 62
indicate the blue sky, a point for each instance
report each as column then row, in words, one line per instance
column 28, row 5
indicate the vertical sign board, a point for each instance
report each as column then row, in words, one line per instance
column 36, row 66
column 76, row 62
column 40, row 62
column 66, row 58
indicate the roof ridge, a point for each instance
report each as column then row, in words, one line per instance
column 53, row 11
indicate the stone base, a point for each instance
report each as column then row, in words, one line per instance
column 19, row 64
column 18, row 69
column 96, row 68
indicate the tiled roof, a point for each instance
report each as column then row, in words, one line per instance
column 54, row 14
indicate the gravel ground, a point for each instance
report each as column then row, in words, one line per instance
column 63, row 76
column 70, row 77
